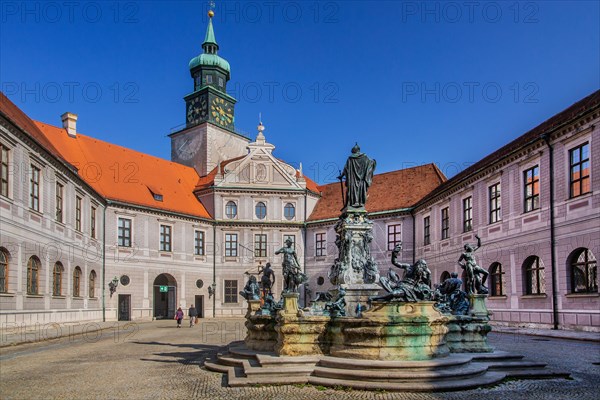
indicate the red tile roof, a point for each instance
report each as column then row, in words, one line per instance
column 575, row 110
column 389, row 191
column 125, row 175
column 20, row 119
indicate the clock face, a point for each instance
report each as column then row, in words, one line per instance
column 187, row 147
column 196, row 110
column 221, row 111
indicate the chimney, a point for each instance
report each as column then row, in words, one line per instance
column 69, row 121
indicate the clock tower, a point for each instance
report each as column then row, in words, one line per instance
column 209, row 135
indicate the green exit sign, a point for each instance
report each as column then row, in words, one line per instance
column 164, row 288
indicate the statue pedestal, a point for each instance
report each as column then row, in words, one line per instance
column 477, row 306
column 468, row 333
column 391, row 331
column 357, row 293
column 290, row 303
column 253, row 307
column 354, row 265
column 260, row 334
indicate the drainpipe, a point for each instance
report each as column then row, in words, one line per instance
column 414, row 236
column 546, row 139
column 214, row 269
column 304, row 235
column 104, row 263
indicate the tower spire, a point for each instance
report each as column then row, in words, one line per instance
column 210, row 45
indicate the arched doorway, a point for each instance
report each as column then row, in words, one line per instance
column 165, row 296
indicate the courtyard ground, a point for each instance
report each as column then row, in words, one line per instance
column 155, row 360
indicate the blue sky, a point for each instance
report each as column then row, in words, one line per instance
column 412, row 82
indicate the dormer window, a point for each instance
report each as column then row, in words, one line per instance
column 158, row 197
column 156, row 193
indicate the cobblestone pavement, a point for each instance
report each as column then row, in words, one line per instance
column 158, row 361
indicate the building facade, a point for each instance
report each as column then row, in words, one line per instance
column 91, row 230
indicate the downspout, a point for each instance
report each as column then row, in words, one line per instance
column 414, row 236
column 304, row 235
column 214, row 282
column 546, row 139
column 104, row 263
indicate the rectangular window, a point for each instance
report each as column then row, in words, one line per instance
column 468, row 214
column 78, row 213
column 220, row 82
column 320, row 245
column 445, row 223
column 426, row 232
column 124, row 232
column 59, row 202
column 4, row 170
column 579, row 170
column 208, row 78
column 198, row 243
column 260, row 245
column 93, row 222
column 231, row 291
column 394, row 236
column 34, row 189
column 531, row 180
column 292, row 238
column 494, row 196
column 231, row 245
column 165, row 238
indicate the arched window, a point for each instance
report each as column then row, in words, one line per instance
column 4, row 257
column 231, row 209
column 445, row 275
column 77, row 282
column 289, row 211
column 92, row 285
column 261, row 210
column 584, row 271
column 33, row 275
column 496, row 278
column 57, row 275
column 535, row 281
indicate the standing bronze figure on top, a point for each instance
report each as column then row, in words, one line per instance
column 358, row 172
column 475, row 275
column 292, row 275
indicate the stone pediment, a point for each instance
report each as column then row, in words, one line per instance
column 259, row 169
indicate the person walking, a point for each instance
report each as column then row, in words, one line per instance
column 193, row 314
column 179, row 316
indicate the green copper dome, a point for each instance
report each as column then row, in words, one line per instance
column 210, row 58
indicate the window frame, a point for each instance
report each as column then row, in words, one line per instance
column 320, row 244
column 199, row 242
column 123, row 230
column 230, row 291
column 231, row 205
column 586, row 263
column 93, row 221
column 231, row 244
column 495, row 203
column 165, row 235
column 496, row 279
column 77, row 281
column 78, row 204
column 445, row 222
column 4, row 270
column 4, row 170
column 531, row 202
column 35, row 188
column 396, row 235
column 59, row 199
column 533, row 267
column 427, row 230
column 263, row 207
column 260, row 245
column 287, row 207
column 57, row 276
column 578, row 164
column 33, row 275
column 92, row 284
column 467, row 206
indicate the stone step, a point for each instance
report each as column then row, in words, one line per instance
column 486, row 379
column 267, row 380
column 228, row 359
column 402, row 375
column 247, row 353
column 286, row 371
column 536, row 373
column 353, row 363
column 502, row 365
column 496, row 356
column 276, row 362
